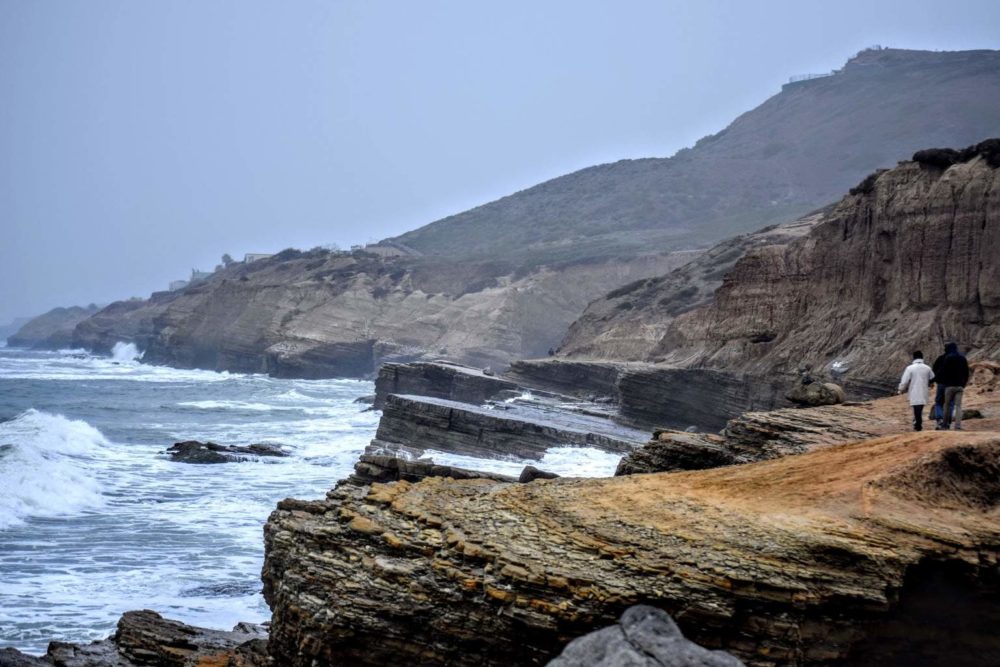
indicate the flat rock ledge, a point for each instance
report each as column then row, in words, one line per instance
column 836, row 556
column 758, row 436
column 146, row 639
column 643, row 637
column 414, row 424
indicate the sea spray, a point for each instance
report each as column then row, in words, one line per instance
column 125, row 352
column 44, row 467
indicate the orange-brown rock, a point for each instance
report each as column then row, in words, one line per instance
column 844, row 554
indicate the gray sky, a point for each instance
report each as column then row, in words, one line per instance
column 140, row 139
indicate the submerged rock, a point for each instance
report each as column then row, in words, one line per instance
column 192, row 451
column 643, row 637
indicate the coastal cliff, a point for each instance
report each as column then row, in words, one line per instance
column 906, row 261
column 326, row 314
column 503, row 281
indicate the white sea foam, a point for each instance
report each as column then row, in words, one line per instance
column 564, row 461
column 44, row 467
column 125, row 352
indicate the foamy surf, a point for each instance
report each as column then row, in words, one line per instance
column 45, row 466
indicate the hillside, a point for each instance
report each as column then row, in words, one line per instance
column 908, row 260
column 798, row 150
column 504, row 281
column 53, row 329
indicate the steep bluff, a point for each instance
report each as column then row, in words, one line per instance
column 908, row 260
column 322, row 314
column 503, row 281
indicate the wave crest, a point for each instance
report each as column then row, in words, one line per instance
column 45, row 467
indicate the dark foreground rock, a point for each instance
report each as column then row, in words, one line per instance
column 413, row 424
column 812, row 559
column 643, row 637
column 192, row 451
column 146, row 639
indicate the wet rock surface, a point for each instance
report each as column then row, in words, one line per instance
column 192, row 451
column 417, row 423
column 643, row 637
column 146, row 639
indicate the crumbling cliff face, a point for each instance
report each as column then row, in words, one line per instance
column 321, row 314
column 906, row 261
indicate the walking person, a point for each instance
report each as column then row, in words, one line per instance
column 954, row 375
column 937, row 412
column 916, row 382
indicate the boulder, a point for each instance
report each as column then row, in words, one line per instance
column 643, row 637
column 813, row 392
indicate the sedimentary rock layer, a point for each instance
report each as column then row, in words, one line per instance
column 417, row 423
column 795, row 560
column 438, row 380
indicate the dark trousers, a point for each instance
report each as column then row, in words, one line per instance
column 939, row 400
column 918, row 418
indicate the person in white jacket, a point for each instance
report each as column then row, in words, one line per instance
column 916, row 382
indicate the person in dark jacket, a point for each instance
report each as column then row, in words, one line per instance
column 937, row 412
column 953, row 373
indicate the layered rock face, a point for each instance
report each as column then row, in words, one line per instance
column 907, row 261
column 439, row 380
column 321, row 314
column 412, row 424
column 810, row 559
column 53, row 330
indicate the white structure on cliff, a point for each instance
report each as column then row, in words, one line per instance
column 252, row 257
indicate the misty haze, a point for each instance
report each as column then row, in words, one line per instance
column 531, row 334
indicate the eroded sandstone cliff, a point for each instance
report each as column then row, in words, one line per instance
column 321, row 314
column 907, row 261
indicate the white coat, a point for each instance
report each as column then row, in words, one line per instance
column 917, row 378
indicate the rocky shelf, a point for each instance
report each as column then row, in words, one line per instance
column 414, row 423
column 817, row 558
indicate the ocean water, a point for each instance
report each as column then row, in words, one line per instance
column 95, row 519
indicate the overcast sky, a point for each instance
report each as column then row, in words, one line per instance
column 140, row 139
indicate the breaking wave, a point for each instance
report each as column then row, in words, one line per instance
column 44, row 467
column 125, row 352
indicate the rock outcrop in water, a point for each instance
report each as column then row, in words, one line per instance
column 192, row 451
column 146, row 639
